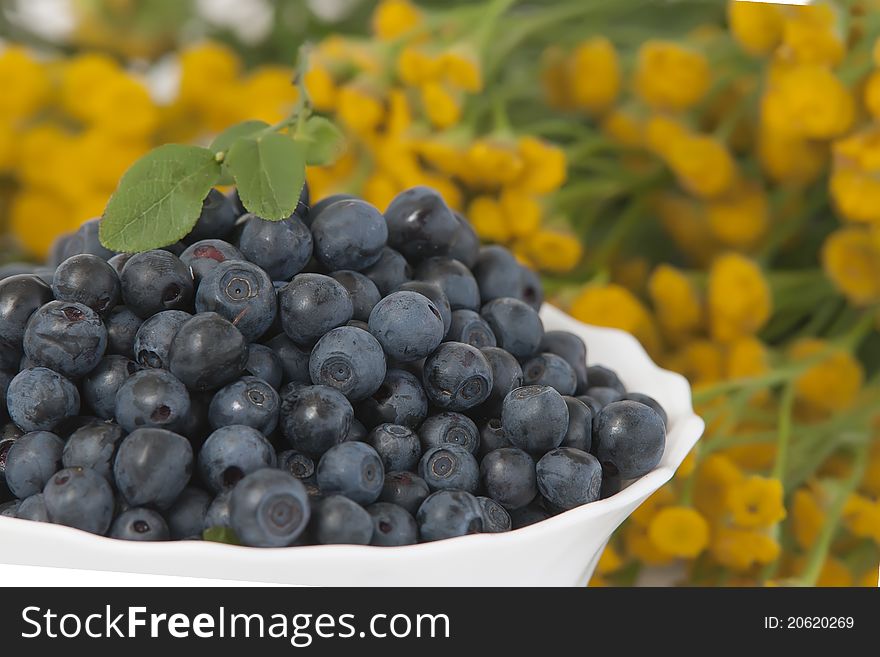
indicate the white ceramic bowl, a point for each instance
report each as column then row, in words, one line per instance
column 561, row 551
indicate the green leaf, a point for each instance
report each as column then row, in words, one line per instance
column 221, row 535
column 269, row 173
column 159, row 198
column 325, row 142
column 225, row 139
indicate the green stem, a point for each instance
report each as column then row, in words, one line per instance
column 819, row 552
column 786, row 409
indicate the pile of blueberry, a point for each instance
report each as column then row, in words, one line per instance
column 341, row 376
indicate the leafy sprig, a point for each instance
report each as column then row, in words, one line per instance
column 159, row 199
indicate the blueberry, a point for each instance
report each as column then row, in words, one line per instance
column 455, row 279
column 139, row 524
column 152, row 467
column 400, row 399
column 5, row 445
column 325, row 203
column 93, row 446
column 186, row 517
column 450, row 467
column 404, row 489
column 207, row 352
column 497, row 273
column 31, row 461
column 610, row 486
column 630, row 438
column 99, row 388
column 465, row 246
column 457, row 377
column 87, row 240
column 242, row 293
column 603, row 395
column 550, row 370
column 352, row 469
column 298, row 464
column 249, row 401
column 496, row 519
column 80, row 498
column 216, row 220
column 311, row 305
column 573, row 350
column 294, row 359
column 265, row 364
column 357, row 431
column 595, row 407
column 508, row 477
column 349, row 360
column 5, row 379
column 122, row 326
column 33, row 508
column 449, row 513
column 154, row 281
column 580, row 425
column 9, row 509
column 118, row 263
column 602, row 377
column 569, row 477
column 204, row 256
column 364, row 293
column 38, row 399
column 218, row 512
column 528, row 515
column 269, row 508
column 89, row 280
column 434, row 293
column 153, row 340
column 231, row 453
column 389, row 272
column 349, row 234
column 492, row 436
column 407, row 325
column 420, row 224
column 281, row 248
column 649, row 401
column 20, row 297
column 66, row 337
column 467, row 326
column 45, row 274
column 314, row 418
column 392, row 525
column 516, row 326
column 152, row 398
column 196, row 426
column 507, row 375
column 396, row 445
column 338, row 520
column 449, row 429
column 535, row 418
column 531, row 289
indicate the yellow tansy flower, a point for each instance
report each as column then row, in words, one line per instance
column 394, row 18
column 595, row 78
column 739, row 298
column 616, row 307
column 756, row 502
column 756, row 27
column 740, row 218
column 676, row 302
column 851, row 258
column 714, row 477
column 807, row 517
column 703, row 165
column 831, row 384
column 441, row 106
column 544, row 166
column 679, row 531
column 669, row 76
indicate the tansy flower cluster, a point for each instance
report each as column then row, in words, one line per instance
column 747, row 149
column 73, row 126
column 410, row 99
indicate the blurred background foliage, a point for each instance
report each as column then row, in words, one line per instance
column 702, row 174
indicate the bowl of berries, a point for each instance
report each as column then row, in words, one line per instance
column 344, row 397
